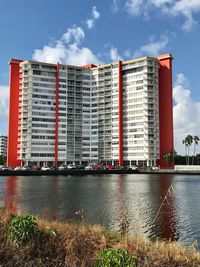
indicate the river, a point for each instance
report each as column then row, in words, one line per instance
column 166, row 206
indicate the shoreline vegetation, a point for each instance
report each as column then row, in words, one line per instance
column 33, row 241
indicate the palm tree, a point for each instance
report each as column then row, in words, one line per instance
column 196, row 142
column 188, row 142
column 184, row 142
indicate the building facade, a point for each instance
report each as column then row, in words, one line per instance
column 118, row 113
column 3, row 145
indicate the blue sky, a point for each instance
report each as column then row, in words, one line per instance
column 78, row 32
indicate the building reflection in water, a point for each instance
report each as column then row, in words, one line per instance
column 123, row 216
column 40, row 196
column 11, row 193
column 130, row 204
column 51, row 211
column 137, row 207
column 164, row 219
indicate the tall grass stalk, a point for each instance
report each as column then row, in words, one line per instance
column 165, row 199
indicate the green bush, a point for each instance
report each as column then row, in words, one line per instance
column 114, row 257
column 22, row 229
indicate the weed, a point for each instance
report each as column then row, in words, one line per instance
column 22, row 229
column 124, row 225
column 114, row 257
column 51, row 231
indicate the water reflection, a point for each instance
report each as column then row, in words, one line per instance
column 123, row 215
column 164, row 217
column 40, row 196
column 51, row 211
column 11, row 193
column 110, row 200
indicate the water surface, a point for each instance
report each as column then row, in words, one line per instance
column 111, row 199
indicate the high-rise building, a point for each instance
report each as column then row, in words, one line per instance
column 119, row 113
column 3, row 145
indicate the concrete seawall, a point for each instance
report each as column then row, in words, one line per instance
column 97, row 172
column 67, row 172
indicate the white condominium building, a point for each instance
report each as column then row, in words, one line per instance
column 65, row 113
column 3, row 145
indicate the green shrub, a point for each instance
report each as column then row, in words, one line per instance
column 114, row 257
column 22, row 229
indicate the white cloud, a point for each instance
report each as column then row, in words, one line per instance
column 76, row 55
column 52, row 54
column 90, row 23
column 186, row 113
column 4, row 94
column 95, row 13
column 189, row 23
column 95, row 16
column 74, row 34
column 187, row 9
column 153, row 47
column 114, row 55
column 67, row 50
column 183, row 8
column 135, row 7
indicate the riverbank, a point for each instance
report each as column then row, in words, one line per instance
column 96, row 172
column 66, row 172
column 170, row 171
column 77, row 244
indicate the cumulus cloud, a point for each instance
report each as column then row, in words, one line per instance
column 186, row 112
column 184, row 8
column 74, row 34
column 114, row 55
column 4, row 94
column 94, row 16
column 67, row 50
column 153, row 47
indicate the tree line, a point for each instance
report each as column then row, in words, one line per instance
column 191, row 158
column 190, row 142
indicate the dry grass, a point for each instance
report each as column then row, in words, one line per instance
column 76, row 245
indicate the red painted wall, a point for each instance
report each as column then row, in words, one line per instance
column 56, row 117
column 165, row 109
column 88, row 66
column 13, row 125
column 120, row 102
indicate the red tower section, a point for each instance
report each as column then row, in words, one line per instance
column 165, row 109
column 13, row 124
